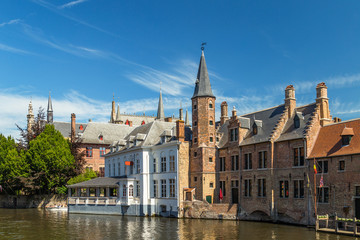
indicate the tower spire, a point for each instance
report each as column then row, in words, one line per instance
column 202, row 83
column 160, row 112
column 50, row 114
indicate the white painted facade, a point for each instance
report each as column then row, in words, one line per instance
column 151, row 166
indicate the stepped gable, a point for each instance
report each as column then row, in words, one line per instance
column 267, row 119
column 329, row 140
column 304, row 114
column 110, row 132
column 65, row 128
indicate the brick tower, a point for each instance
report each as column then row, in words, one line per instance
column 202, row 153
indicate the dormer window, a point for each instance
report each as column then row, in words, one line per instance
column 346, row 136
column 143, row 122
column 296, row 121
column 101, row 137
column 163, row 139
column 255, row 129
column 81, row 127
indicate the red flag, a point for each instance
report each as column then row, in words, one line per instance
column 321, row 182
column 221, row 195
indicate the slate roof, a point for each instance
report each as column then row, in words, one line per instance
column 65, row 128
column 202, row 84
column 135, row 119
column 266, row 120
column 329, row 140
column 304, row 114
column 97, row 182
column 110, row 132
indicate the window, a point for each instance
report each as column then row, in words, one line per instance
column 211, row 185
column 137, row 189
column 195, row 154
column 247, row 187
column 210, row 159
column 357, row 191
column 195, row 123
column 284, row 189
column 323, row 166
column 119, row 169
column 262, row 187
column 155, row 165
column 254, row 129
column 163, row 188
column 137, row 165
column 248, row 161
column 262, row 159
column 195, row 140
column 195, row 106
column 88, row 151
column 163, row 163
column 222, row 187
column 234, row 134
column 235, row 183
column 113, row 169
column 102, row 151
column 222, row 163
column 210, row 105
column 172, row 163
column 195, row 179
column 211, row 122
column 211, row 139
column 172, row 187
column 131, row 191
column 341, row 165
column 296, row 121
column 102, row 172
column 299, row 189
column 155, row 188
column 109, row 170
column 346, row 140
column 299, row 156
column 323, row 195
column 235, row 163
column 124, row 190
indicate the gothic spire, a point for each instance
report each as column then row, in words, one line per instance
column 202, row 84
column 160, row 112
column 50, row 113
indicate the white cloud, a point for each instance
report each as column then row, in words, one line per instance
column 14, row 21
column 71, row 4
column 7, row 48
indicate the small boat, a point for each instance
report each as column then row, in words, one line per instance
column 57, row 208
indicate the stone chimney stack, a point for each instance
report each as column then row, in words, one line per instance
column 224, row 113
column 180, row 130
column 234, row 112
column 73, row 119
column 290, row 100
column 323, row 101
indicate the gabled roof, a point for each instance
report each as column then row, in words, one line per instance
column 329, row 140
column 110, row 132
column 65, row 128
column 304, row 114
column 202, row 84
column 266, row 121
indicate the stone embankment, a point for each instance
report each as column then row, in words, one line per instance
column 34, row 201
column 204, row 210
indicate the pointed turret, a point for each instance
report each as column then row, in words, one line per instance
column 30, row 117
column 160, row 112
column 202, row 84
column 50, row 113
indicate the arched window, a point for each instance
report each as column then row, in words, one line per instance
column 131, row 191
column 210, row 104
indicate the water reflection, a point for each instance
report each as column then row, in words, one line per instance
column 39, row 224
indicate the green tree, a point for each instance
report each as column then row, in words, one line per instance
column 87, row 175
column 50, row 159
column 12, row 165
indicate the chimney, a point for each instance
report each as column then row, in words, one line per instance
column 73, row 118
column 290, row 100
column 234, row 112
column 180, row 130
column 130, row 124
column 181, row 114
column 323, row 101
column 224, row 113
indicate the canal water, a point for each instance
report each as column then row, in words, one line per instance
column 49, row 225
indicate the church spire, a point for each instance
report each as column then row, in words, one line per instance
column 50, row 113
column 202, row 84
column 160, row 112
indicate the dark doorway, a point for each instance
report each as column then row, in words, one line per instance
column 357, row 208
column 235, row 195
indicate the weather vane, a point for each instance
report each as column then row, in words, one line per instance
column 202, row 46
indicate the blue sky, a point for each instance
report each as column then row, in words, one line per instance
column 83, row 51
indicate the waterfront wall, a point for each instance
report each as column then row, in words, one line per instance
column 33, row 201
column 204, row 210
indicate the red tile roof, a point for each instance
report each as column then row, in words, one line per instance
column 329, row 141
column 347, row 132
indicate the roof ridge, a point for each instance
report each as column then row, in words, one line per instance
column 346, row 121
column 261, row 110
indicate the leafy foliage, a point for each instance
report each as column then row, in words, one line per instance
column 86, row 176
column 49, row 156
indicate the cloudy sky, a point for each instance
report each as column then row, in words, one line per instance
column 84, row 51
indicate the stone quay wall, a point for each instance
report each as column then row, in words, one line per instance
column 33, row 201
